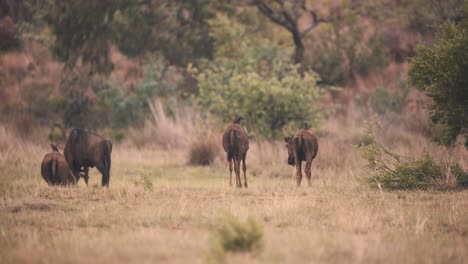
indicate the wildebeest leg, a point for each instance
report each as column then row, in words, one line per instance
column 308, row 170
column 76, row 174
column 244, row 168
column 237, row 171
column 86, row 175
column 102, row 169
column 230, row 172
column 298, row 172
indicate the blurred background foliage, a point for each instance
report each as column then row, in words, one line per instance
column 97, row 64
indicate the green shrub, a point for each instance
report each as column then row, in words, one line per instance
column 390, row 171
column 232, row 235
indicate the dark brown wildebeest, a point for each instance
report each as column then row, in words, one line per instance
column 303, row 146
column 84, row 149
column 55, row 170
column 236, row 145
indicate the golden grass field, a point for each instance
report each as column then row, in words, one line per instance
column 159, row 209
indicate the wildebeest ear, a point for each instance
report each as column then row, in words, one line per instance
column 287, row 139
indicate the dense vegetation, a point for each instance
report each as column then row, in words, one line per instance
column 268, row 60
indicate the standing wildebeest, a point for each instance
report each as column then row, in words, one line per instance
column 84, row 149
column 303, row 146
column 55, row 170
column 236, row 145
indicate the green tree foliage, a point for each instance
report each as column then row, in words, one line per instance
column 85, row 30
column 250, row 76
column 176, row 29
column 441, row 71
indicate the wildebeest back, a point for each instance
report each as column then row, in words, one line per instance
column 55, row 170
column 235, row 140
column 84, row 149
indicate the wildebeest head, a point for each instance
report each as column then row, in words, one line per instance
column 238, row 119
column 288, row 141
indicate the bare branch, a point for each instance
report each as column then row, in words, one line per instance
column 271, row 14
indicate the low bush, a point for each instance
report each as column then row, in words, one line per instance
column 390, row 171
column 203, row 151
column 232, row 235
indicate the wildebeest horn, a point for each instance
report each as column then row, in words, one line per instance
column 54, row 148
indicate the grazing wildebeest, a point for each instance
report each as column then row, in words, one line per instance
column 55, row 170
column 84, row 149
column 236, row 145
column 303, row 146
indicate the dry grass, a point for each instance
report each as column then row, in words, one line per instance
column 338, row 220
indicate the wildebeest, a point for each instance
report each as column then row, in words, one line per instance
column 55, row 170
column 302, row 146
column 84, row 149
column 236, row 145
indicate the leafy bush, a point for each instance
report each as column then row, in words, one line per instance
column 269, row 92
column 232, row 235
column 390, row 171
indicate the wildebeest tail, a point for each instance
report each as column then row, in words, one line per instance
column 231, row 144
column 107, row 162
column 299, row 142
column 53, row 171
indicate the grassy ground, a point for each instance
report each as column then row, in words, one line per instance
column 159, row 209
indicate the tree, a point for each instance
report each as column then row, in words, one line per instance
column 286, row 13
column 441, row 71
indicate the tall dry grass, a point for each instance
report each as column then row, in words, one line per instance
column 169, row 131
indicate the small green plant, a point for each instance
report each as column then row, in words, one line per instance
column 235, row 236
column 144, row 182
column 390, row 171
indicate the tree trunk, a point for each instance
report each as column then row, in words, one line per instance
column 299, row 47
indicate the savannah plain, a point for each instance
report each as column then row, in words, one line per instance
column 160, row 209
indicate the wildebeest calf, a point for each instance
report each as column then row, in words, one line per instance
column 55, row 170
column 84, row 149
column 302, row 146
column 236, row 145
